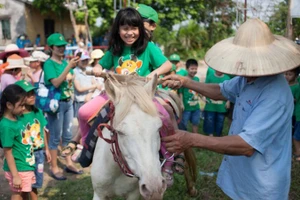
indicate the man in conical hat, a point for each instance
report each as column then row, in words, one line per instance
column 257, row 160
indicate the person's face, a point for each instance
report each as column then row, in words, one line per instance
column 18, row 108
column 30, row 98
column 176, row 63
column 83, row 63
column 150, row 27
column 59, row 50
column 129, row 34
column 34, row 64
column 192, row 70
column 290, row 76
column 16, row 71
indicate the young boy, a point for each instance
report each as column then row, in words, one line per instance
column 190, row 98
column 214, row 111
column 291, row 77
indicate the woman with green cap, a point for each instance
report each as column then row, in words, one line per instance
column 58, row 72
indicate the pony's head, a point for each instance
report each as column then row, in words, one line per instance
column 138, row 123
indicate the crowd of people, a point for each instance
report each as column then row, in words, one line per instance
column 243, row 70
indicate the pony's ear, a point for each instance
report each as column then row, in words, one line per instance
column 151, row 86
column 112, row 91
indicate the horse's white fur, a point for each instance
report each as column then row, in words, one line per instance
column 137, row 118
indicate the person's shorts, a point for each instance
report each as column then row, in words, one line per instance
column 27, row 178
column 39, row 168
column 192, row 116
column 296, row 135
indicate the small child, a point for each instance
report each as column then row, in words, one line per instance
column 214, row 111
column 34, row 122
column 84, row 85
column 190, row 98
column 291, row 77
column 19, row 162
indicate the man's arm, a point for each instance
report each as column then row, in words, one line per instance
column 230, row 145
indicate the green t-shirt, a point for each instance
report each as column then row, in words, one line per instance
column 35, row 124
column 143, row 64
column 190, row 98
column 52, row 70
column 182, row 72
column 212, row 105
column 13, row 136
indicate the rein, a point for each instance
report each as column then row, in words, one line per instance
column 115, row 149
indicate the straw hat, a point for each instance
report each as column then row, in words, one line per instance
column 96, row 54
column 14, row 61
column 254, row 51
column 13, row 48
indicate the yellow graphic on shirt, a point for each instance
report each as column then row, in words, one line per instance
column 193, row 100
column 129, row 66
column 33, row 134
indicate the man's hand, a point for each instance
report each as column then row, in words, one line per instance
column 178, row 142
column 174, row 81
column 97, row 70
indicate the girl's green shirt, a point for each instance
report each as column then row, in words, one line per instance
column 143, row 64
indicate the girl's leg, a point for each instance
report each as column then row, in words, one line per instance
column 67, row 132
column 55, row 128
column 86, row 111
column 16, row 196
column 34, row 194
column 220, row 117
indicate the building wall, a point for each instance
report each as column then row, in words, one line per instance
column 35, row 24
column 13, row 10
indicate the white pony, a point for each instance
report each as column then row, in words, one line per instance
column 137, row 123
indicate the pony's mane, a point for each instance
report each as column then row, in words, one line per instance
column 131, row 91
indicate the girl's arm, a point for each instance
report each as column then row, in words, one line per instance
column 17, row 182
column 163, row 69
column 58, row 81
column 47, row 152
column 79, row 88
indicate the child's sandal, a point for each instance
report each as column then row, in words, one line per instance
column 69, row 150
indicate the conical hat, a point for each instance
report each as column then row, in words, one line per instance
column 254, row 51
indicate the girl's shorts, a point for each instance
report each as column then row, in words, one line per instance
column 27, row 179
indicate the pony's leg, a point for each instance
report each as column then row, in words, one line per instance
column 96, row 197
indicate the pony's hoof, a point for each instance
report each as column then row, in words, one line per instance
column 193, row 192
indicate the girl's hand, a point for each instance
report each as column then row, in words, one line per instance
column 48, row 155
column 17, row 182
column 73, row 62
column 227, row 105
column 174, row 81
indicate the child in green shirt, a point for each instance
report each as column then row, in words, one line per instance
column 291, row 77
column 19, row 162
column 214, row 111
column 190, row 98
column 34, row 123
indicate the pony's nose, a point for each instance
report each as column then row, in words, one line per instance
column 148, row 192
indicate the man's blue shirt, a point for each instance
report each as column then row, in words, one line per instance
column 262, row 118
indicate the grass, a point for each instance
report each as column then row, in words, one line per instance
column 207, row 161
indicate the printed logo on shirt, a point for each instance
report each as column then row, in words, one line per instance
column 32, row 134
column 129, row 66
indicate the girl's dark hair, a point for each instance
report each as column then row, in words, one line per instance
column 128, row 16
column 12, row 93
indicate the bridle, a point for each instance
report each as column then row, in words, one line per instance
column 115, row 149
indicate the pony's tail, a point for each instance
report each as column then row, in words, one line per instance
column 190, row 171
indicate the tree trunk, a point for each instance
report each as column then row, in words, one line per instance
column 289, row 24
column 86, row 17
column 73, row 23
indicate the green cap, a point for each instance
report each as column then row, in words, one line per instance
column 56, row 39
column 147, row 12
column 25, row 85
column 174, row 57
